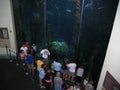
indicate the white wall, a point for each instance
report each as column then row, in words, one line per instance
column 112, row 59
column 6, row 20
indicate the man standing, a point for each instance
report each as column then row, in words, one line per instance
column 71, row 67
column 45, row 53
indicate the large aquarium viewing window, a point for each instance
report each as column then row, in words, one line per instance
column 60, row 22
column 75, row 29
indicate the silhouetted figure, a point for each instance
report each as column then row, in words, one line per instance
column 48, row 80
column 58, row 82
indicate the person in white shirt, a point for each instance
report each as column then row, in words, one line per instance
column 34, row 46
column 89, row 86
column 76, row 87
column 45, row 53
column 85, row 82
column 24, row 48
column 71, row 67
column 79, row 74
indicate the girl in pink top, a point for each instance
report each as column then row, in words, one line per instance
column 22, row 57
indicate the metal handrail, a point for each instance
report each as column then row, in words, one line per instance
column 10, row 52
column 6, row 49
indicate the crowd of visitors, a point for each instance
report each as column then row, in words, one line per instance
column 54, row 74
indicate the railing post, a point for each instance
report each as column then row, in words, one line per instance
column 6, row 49
column 10, row 53
column 17, row 55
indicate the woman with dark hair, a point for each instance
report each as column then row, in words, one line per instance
column 48, row 79
column 22, row 58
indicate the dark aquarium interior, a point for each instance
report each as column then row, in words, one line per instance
column 76, row 29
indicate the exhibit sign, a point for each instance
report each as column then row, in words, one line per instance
column 110, row 83
column 4, row 38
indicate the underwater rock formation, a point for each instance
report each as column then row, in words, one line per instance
column 59, row 49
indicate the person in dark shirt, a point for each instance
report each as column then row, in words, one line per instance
column 30, row 61
column 48, row 79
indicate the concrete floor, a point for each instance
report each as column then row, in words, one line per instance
column 13, row 77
